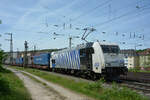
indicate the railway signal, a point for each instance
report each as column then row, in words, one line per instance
column 25, row 53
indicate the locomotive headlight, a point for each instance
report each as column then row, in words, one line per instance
column 107, row 64
column 121, row 64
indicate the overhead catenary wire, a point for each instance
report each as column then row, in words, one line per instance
column 137, row 16
column 74, row 19
column 118, row 17
column 106, row 23
column 89, row 11
column 126, row 7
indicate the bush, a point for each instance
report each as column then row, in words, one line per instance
column 4, row 86
column 1, row 59
column 96, row 85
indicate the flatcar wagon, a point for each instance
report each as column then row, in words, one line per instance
column 41, row 61
column 19, row 61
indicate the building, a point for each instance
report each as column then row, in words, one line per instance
column 133, row 61
column 131, row 58
column 144, row 58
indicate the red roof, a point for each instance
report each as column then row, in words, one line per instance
column 146, row 52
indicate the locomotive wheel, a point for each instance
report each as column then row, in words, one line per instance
column 94, row 77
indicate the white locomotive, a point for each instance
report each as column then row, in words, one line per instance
column 91, row 60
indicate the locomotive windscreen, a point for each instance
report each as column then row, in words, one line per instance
column 110, row 48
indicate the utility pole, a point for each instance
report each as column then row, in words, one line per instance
column 11, row 46
column 25, row 54
column 70, row 40
column 34, row 49
column 17, row 53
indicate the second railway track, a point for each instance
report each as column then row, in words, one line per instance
column 142, row 88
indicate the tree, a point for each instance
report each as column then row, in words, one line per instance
column 1, row 53
column 1, row 58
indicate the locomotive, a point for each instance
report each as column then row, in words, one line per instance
column 91, row 60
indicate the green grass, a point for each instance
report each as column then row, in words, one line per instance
column 11, row 87
column 95, row 90
column 138, row 70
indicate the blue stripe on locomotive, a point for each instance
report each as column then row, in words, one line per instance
column 68, row 59
column 42, row 59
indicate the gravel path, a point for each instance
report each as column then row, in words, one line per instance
column 39, row 92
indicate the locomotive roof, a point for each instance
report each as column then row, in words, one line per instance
column 107, row 43
column 86, row 45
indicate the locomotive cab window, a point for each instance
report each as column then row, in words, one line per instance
column 86, row 58
column 110, row 49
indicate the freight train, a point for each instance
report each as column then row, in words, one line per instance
column 91, row 60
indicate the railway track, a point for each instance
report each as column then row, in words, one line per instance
column 137, row 76
column 142, row 88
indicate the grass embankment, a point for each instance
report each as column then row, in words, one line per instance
column 95, row 90
column 11, row 87
column 138, row 70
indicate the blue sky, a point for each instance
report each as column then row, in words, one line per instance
column 27, row 18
